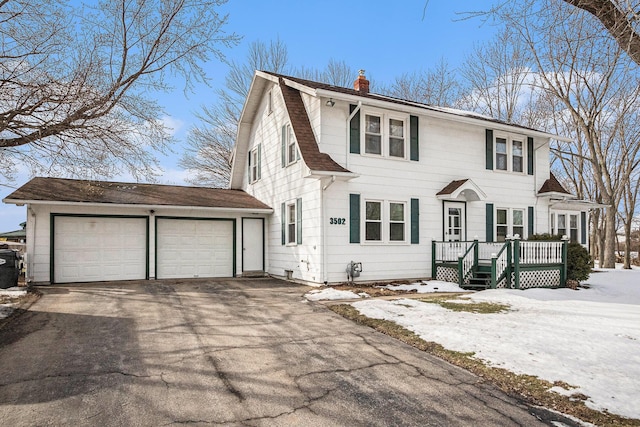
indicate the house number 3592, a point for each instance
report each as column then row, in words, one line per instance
column 337, row 221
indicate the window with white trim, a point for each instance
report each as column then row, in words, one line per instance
column 373, row 221
column 385, row 135
column 509, row 222
column 385, row 221
column 509, row 153
column 565, row 224
column 269, row 103
column 291, row 223
column 254, row 166
column 292, row 153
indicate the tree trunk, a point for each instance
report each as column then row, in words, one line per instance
column 609, row 259
column 627, row 244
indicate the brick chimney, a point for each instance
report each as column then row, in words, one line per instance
column 361, row 84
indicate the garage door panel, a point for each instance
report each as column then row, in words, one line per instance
column 99, row 249
column 194, row 248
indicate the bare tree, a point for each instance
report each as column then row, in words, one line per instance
column 621, row 20
column 598, row 89
column 75, row 81
column 337, row 73
column 209, row 145
column 437, row 86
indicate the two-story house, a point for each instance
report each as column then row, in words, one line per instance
column 355, row 176
column 322, row 176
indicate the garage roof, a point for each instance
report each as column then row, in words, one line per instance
column 126, row 193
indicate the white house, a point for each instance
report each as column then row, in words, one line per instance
column 355, row 176
column 322, row 176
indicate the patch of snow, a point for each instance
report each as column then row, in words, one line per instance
column 5, row 310
column 426, row 287
column 588, row 338
column 14, row 292
column 330, row 294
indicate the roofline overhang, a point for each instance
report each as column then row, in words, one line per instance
column 468, row 185
column 260, row 211
column 556, row 195
column 579, row 203
column 343, row 176
column 417, row 109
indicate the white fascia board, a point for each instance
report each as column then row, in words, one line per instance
column 343, row 176
column 438, row 114
column 134, row 206
column 301, row 87
column 557, row 195
column 577, row 205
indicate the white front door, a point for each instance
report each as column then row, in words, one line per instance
column 252, row 244
column 454, row 221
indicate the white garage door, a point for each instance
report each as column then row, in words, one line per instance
column 90, row 249
column 194, row 248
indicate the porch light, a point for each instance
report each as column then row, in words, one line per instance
column 331, row 102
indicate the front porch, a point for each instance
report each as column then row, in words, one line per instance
column 512, row 264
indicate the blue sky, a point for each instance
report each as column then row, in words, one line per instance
column 384, row 38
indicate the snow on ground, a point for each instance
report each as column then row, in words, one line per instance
column 330, row 294
column 15, row 292
column 588, row 338
column 426, row 287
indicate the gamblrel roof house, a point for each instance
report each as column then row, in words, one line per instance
column 328, row 184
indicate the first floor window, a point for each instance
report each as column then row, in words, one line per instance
column 566, row 224
column 562, row 225
column 291, row 223
column 373, row 221
column 396, row 222
column 573, row 228
column 509, row 222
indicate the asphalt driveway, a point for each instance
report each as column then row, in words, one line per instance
column 236, row 352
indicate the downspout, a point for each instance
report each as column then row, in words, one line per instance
column 325, row 275
column 353, row 113
column 31, row 245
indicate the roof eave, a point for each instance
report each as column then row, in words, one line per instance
column 135, row 205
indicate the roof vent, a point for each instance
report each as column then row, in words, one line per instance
column 361, row 84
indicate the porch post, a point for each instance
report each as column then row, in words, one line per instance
column 516, row 262
column 433, row 259
column 460, row 270
column 494, row 259
column 563, row 269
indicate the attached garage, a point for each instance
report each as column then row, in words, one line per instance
column 94, row 231
column 194, row 247
column 96, row 248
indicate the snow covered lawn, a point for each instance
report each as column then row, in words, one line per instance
column 588, row 338
column 424, row 287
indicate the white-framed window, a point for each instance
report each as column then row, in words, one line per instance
column 385, row 221
column 397, row 221
column 269, row 103
column 373, row 221
column 566, row 224
column 291, row 224
column 509, row 222
column 292, row 151
column 254, row 165
column 509, row 152
column 385, row 134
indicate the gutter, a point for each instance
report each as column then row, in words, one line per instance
column 325, row 262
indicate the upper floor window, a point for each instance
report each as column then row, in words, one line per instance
column 385, row 135
column 269, row 102
column 509, row 153
column 289, row 148
column 254, row 164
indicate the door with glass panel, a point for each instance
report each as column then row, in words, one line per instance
column 454, row 222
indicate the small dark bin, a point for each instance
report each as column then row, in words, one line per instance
column 9, row 268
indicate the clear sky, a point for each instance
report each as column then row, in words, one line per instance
column 385, row 38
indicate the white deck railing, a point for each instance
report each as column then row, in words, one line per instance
column 534, row 252
column 486, row 249
column 450, row 251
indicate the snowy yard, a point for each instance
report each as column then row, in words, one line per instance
column 8, row 299
column 588, row 338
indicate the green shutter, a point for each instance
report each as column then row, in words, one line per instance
column 354, row 218
column 354, row 131
column 530, row 216
column 414, row 148
column 415, row 221
column 259, row 168
column 299, row 221
column 583, row 228
column 530, row 155
column 489, row 148
column 249, row 168
column 283, row 223
column 284, row 146
column 489, row 222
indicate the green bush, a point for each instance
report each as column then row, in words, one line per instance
column 579, row 261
